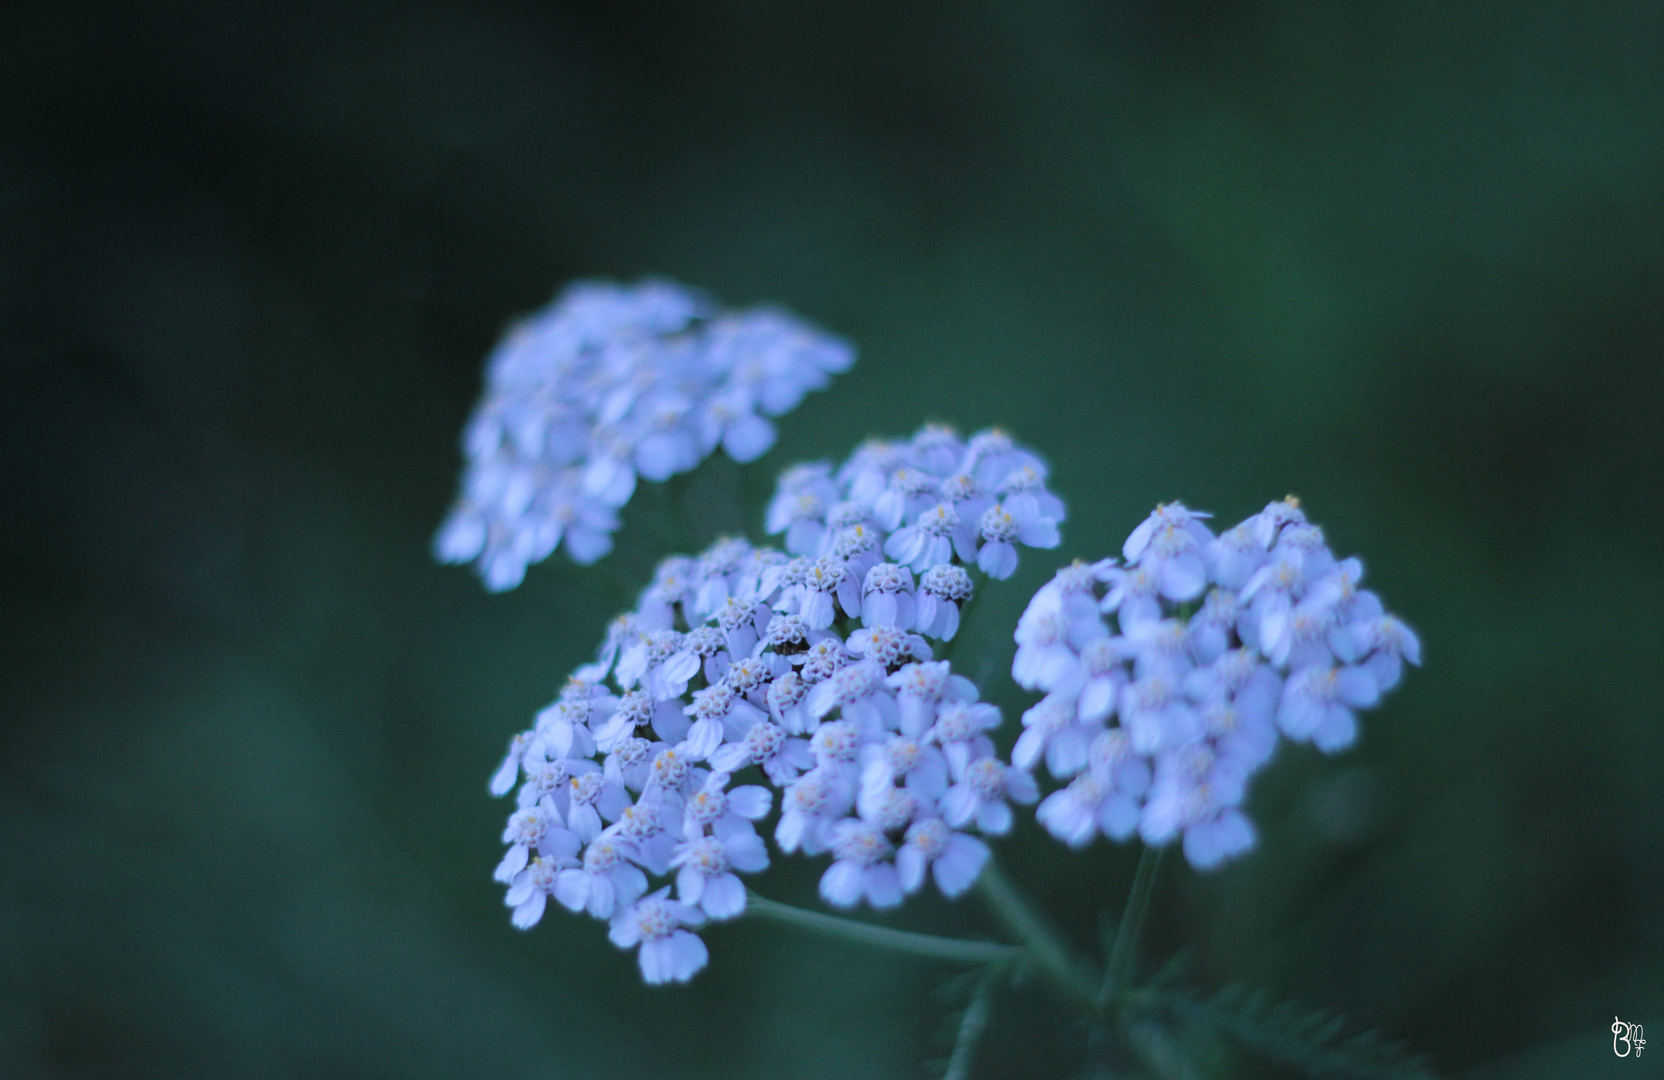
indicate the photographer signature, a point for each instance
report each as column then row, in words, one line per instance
column 1629, row 1035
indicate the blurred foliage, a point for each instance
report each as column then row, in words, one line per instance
column 1405, row 260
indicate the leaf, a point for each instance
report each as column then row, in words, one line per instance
column 972, row 1021
column 1310, row 1041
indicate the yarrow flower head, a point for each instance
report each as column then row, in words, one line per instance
column 1171, row 677
column 608, row 384
column 811, row 670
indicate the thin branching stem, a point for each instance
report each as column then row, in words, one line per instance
column 1043, row 945
column 1123, row 954
column 955, row 950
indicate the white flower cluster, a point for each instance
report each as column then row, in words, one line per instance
column 1158, row 725
column 922, row 503
column 608, row 383
column 810, row 671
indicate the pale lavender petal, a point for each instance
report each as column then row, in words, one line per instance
column 883, row 886
column 910, row 865
column 724, row 897
column 572, row 889
column 690, row 885
column 528, row 913
column 750, row 801
column 747, row 853
column 841, row 885
column 513, row 862
column 961, row 861
column 997, row 559
column 748, row 438
column 994, row 818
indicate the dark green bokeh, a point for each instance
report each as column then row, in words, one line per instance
column 1406, row 261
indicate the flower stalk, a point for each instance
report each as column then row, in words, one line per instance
column 933, row 946
column 1123, row 954
column 1045, row 948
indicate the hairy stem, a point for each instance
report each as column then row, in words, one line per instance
column 1124, row 953
column 971, row 1027
column 1043, row 945
column 956, row 950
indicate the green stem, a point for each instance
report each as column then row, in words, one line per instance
column 971, row 1027
column 1050, row 955
column 956, row 950
column 1124, row 953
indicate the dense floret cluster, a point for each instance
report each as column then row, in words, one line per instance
column 922, row 503
column 809, row 670
column 607, row 384
column 1170, row 676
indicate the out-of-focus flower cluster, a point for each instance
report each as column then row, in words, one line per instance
column 810, row 671
column 607, row 384
column 1171, row 676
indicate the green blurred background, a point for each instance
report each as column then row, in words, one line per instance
column 1404, row 260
